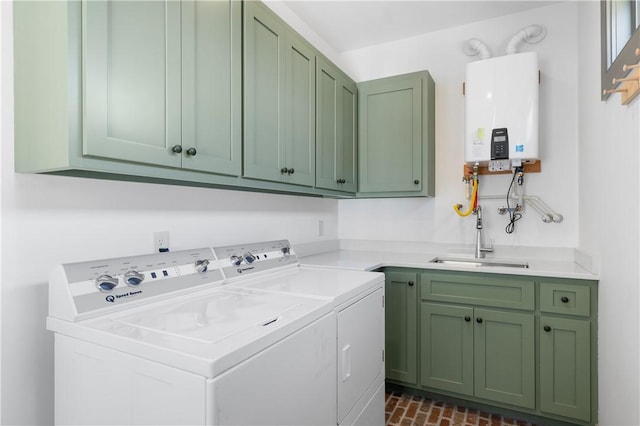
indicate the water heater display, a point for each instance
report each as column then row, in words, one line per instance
column 499, row 144
column 501, row 109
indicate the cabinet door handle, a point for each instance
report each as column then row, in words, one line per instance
column 284, row 170
column 564, row 299
column 290, row 171
column 547, row 328
column 467, row 318
column 410, row 283
column 177, row 149
column 416, row 181
column 479, row 320
column 192, row 151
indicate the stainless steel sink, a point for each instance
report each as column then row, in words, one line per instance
column 476, row 263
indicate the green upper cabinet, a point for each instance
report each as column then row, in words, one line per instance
column 212, row 86
column 397, row 136
column 161, row 83
column 336, row 127
column 279, row 100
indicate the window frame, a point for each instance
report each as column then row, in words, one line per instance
column 626, row 56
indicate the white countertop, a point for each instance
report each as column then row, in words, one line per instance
column 366, row 260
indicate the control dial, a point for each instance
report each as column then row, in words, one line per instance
column 106, row 283
column 235, row 260
column 133, row 278
column 202, row 265
column 286, row 250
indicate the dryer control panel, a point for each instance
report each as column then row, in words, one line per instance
column 246, row 259
column 80, row 289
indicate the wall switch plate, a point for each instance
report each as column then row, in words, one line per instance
column 160, row 241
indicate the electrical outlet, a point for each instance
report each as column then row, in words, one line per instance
column 161, row 241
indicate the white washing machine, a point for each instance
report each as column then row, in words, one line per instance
column 192, row 338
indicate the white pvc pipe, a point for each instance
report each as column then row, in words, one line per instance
column 531, row 34
column 475, row 46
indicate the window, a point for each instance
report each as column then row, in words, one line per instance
column 620, row 36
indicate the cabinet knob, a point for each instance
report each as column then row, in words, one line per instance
column 467, row 318
column 290, row 171
column 547, row 328
column 410, row 283
column 564, row 299
column 284, row 170
column 341, row 181
column 479, row 320
column 416, row 181
column 177, row 149
column 192, row 151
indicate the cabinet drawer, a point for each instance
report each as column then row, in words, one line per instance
column 475, row 289
column 570, row 299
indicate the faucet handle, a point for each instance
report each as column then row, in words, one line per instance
column 488, row 249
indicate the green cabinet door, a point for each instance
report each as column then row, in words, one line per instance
column 300, row 118
column 446, row 347
column 264, row 93
column 162, row 83
column 396, row 136
column 400, row 326
column 132, row 61
column 211, row 86
column 279, row 100
column 565, row 367
column 336, row 114
column 504, row 347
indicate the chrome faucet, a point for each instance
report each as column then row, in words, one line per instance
column 480, row 249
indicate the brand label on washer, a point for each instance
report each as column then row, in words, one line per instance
column 113, row 297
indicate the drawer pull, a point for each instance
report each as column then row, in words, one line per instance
column 467, row 318
column 547, row 328
column 564, row 299
column 410, row 283
column 479, row 320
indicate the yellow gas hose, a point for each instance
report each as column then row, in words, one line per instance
column 457, row 207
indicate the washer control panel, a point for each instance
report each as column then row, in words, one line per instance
column 246, row 259
column 101, row 284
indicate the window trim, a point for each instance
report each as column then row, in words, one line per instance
column 626, row 56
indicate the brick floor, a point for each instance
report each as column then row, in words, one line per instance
column 407, row 410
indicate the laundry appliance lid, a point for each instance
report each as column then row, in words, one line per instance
column 206, row 332
column 335, row 285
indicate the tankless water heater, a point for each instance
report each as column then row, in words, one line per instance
column 501, row 109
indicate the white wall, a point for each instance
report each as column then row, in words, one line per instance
column 50, row 219
column 441, row 53
column 609, row 153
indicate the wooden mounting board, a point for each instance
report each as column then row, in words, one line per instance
column 484, row 170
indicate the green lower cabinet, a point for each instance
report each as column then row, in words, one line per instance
column 504, row 355
column 522, row 344
column 446, row 351
column 565, row 367
column 401, row 326
column 478, row 352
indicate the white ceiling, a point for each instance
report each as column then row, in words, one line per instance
column 353, row 24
